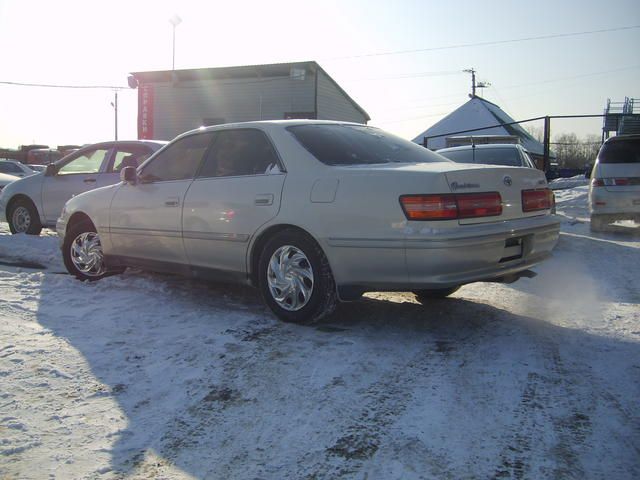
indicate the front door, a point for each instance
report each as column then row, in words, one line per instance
column 145, row 218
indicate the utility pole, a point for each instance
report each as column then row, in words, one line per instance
column 475, row 85
column 473, row 80
column 114, row 104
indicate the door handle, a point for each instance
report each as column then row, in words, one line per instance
column 264, row 199
column 172, row 202
column 89, row 180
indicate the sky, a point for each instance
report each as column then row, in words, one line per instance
column 401, row 60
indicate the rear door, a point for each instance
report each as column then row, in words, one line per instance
column 619, row 165
column 237, row 190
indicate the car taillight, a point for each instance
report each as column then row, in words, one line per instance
column 451, row 206
column 538, row 199
column 614, row 182
column 471, row 205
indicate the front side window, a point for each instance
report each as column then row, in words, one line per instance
column 87, row 162
column 239, row 152
column 179, row 160
column 359, row 145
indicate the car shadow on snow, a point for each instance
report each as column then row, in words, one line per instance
column 209, row 383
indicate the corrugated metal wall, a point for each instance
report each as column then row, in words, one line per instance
column 185, row 105
column 333, row 105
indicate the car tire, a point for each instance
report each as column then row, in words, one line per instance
column 295, row 278
column 82, row 253
column 427, row 295
column 23, row 217
column 597, row 223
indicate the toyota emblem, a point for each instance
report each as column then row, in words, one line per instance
column 507, row 180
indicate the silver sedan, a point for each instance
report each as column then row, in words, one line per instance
column 312, row 212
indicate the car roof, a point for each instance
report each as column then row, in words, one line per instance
column 621, row 138
column 263, row 123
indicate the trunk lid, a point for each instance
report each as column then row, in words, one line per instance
column 630, row 171
column 509, row 182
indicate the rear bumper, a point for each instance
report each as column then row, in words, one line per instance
column 604, row 202
column 439, row 259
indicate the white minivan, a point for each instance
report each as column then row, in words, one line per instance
column 614, row 191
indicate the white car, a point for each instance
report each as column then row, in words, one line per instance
column 490, row 154
column 614, row 190
column 6, row 179
column 12, row 167
column 36, row 201
column 312, row 212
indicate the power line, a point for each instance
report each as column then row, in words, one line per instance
column 484, row 44
column 20, row 84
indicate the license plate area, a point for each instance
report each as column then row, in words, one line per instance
column 513, row 248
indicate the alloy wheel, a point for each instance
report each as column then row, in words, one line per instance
column 290, row 278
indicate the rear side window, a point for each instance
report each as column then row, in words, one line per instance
column 239, row 152
column 359, row 145
column 130, row 156
column 621, row 151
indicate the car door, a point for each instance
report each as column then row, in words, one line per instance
column 75, row 175
column 145, row 218
column 237, row 190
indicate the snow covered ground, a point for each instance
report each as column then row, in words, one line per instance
column 151, row 376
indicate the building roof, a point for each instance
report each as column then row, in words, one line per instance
column 477, row 113
column 237, row 72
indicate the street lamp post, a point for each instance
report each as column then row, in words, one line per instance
column 175, row 21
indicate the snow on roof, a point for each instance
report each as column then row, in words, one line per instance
column 477, row 113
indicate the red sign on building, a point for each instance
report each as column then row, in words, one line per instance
column 145, row 112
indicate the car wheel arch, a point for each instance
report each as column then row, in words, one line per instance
column 27, row 201
column 78, row 218
column 16, row 198
column 261, row 240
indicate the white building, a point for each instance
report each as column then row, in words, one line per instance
column 478, row 113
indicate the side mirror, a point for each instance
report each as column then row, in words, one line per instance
column 50, row 170
column 129, row 175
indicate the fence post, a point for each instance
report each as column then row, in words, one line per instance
column 547, row 138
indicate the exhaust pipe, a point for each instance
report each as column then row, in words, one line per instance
column 513, row 277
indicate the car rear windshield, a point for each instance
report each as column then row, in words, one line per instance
column 489, row 156
column 359, row 145
column 621, row 151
